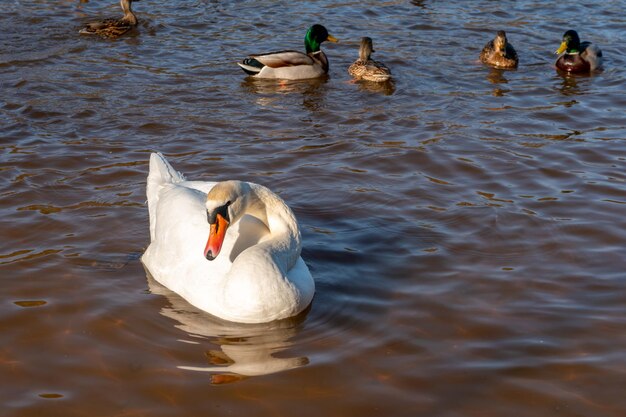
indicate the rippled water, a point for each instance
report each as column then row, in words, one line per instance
column 466, row 227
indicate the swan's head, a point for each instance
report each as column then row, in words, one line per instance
column 226, row 202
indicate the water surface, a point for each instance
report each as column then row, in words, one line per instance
column 466, row 227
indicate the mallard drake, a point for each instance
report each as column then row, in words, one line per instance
column 292, row 65
column 366, row 68
column 577, row 56
column 499, row 52
column 112, row 28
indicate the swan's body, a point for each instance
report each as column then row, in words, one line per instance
column 499, row 53
column 577, row 56
column 365, row 68
column 112, row 28
column 292, row 65
column 251, row 270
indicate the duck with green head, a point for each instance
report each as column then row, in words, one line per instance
column 292, row 65
column 577, row 56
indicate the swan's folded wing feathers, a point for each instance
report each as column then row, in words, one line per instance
column 284, row 59
column 161, row 173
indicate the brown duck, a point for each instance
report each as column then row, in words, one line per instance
column 499, row 52
column 365, row 68
column 113, row 28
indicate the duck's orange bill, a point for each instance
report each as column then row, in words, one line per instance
column 216, row 237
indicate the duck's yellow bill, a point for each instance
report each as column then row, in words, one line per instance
column 331, row 38
column 562, row 48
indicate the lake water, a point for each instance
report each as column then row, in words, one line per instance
column 466, row 227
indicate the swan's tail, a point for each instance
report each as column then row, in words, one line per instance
column 161, row 173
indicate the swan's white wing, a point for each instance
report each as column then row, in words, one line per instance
column 175, row 256
column 161, row 174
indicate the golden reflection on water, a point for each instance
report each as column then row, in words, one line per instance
column 386, row 88
column 465, row 226
column 269, row 92
column 569, row 84
column 497, row 76
column 242, row 350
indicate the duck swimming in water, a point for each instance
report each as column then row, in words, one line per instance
column 365, row 68
column 292, row 65
column 113, row 28
column 577, row 56
column 499, row 53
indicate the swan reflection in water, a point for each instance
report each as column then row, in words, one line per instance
column 244, row 350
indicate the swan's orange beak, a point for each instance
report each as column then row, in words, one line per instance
column 216, row 237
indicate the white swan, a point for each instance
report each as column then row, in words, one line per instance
column 250, row 270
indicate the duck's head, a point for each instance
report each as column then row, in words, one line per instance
column 126, row 4
column 129, row 16
column 500, row 40
column 570, row 44
column 226, row 202
column 315, row 36
column 366, row 48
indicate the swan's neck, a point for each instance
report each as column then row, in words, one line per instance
column 285, row 243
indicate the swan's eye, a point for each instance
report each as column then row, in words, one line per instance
column 222, row 211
